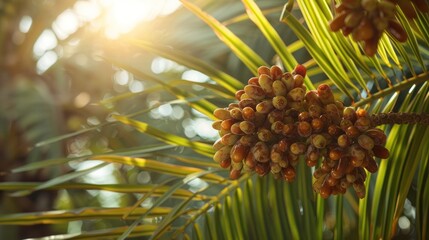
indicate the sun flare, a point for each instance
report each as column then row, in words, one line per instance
column 121, row 16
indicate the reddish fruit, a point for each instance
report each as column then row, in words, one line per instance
column 250, row 160
column 325, row 191
column 300, row 70
column 397, row 31
column 262, row 169
column 325, row 94
column 234, row 174
column 276, row 72
column 340, row 171
column 310, row 162
column 226, row 124
column 263, row 70
column 352, row 132
column 238, row 94
column 289, row 173
column 380, row 151
column 298, row 81
column 312, row 98
column 239, row 152
column 304, row 129
column 253, row 81
column 334, row 130
column 338, row 22
column 225, row 163
column 289, row 129
column 335, row 154
column 331, row 181
column 284, row 145
column 317, row 125
column 372, row 166
column 361, row 112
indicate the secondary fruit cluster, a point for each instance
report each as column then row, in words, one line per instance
column 366, row 20
column 409, row 7
column 275, row 123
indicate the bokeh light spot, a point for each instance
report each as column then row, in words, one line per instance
column 122, row 77
column 195, row 76
column 45, row 42
column 25, row 24
column 46, row 61
column 66, row 24
column 165, row 110
column 136, row 86
column 87, row 10
column 82, row 99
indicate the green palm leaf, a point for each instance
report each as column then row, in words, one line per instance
column 245, row 53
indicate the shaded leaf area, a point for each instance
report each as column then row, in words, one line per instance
column 291, row 213
column 394, row 179
column 53, row 217
column 140, row 231
column 120, row 188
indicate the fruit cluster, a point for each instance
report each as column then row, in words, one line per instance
column 276, row 123
column 408, row 7
column 352, row 147
column 366, row 20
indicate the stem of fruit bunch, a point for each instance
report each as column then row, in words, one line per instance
column 399, row 118
column 415, row 80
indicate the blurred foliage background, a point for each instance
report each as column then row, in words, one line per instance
column 70, row 169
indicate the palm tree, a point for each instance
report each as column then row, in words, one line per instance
column 157, row 149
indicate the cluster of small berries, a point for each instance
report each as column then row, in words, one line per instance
column 276, row 123
column 366, row 21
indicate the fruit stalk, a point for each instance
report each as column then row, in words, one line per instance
column 399, row 118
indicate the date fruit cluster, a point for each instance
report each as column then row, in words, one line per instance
column 366, row 21
column 409, row 7
column 276, row 122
